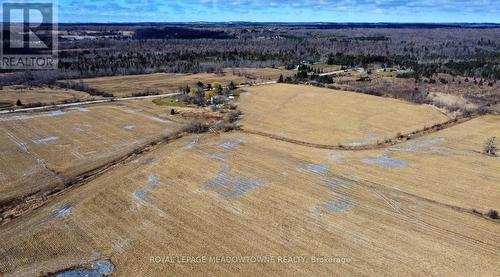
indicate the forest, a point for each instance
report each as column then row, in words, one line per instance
column 471, row 50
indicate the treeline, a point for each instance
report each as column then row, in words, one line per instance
column 469, row 52
column 81, row 86
column 364, row 60
column 483, row 68
column 189, row 49
column 30, row 78
column 179, row 33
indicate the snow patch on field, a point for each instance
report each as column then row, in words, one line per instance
column 231, row 144
column 418, row 146
column 323, row 170
column 318, row 168
column 224, row 183
column 57, row 113
column 231, row 186
column 133, row 110
column 63, row 212
column 45, row 140
column 80, row 109
column 386, row 161
column 129, row 127
column 338, row 205
column 26, row 116
column 142, row 195
column 153, row 180
column 219, row 156
column 158, row 119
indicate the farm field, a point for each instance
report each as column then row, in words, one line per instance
column 262, row 74
column 447, row 166
column 44, row 95
column 170, row 82
column 325, row 116
column 324, row 68
column 49, row 149
column 246, row 195
column 414, row 208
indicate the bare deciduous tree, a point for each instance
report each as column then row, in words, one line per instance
column 490, row 147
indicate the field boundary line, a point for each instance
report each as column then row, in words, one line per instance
column 384, row 144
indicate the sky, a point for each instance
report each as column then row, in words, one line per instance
column 474, row 11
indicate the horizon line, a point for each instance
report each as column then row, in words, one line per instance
column 274, row 22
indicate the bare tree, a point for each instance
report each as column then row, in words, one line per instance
column 490, row 147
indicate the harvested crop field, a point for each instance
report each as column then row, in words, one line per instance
column 245, row 204
column 44, row 151
column 171, row 82
column 43, row 95
column 447, row 166
column 325, row 116
column 245, row 195
column 262, row 74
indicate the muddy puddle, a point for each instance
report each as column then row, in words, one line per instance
column 97, row 269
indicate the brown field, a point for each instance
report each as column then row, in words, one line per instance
column 44, row 95
column 325, row 68
column 405, row 210
column 245, row 195
column 446, row 166
column 325, row 116
column 50, row 148
column 260, row 74
column 169, row 82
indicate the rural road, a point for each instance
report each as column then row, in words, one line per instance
column 86, row 103
column 76, row 104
